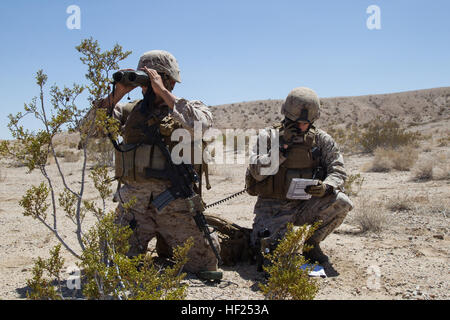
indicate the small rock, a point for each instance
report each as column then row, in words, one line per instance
column 439, row 236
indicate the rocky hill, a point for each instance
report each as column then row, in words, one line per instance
column 409, row 108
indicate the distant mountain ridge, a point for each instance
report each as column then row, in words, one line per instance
column 409, row 107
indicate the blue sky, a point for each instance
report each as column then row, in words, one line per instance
column 232, row 51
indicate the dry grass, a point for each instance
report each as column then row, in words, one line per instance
column 2, row 175
column 442, row 167
column 369, row 216
column 402, row 202
column 422, row 204
column 353, row 184
column 444, row 141
column 434, row 207
column 423, row 171
column 387, row 159
column 101, row 152
column 71, row 156
column 435, row 167
column 66, row 140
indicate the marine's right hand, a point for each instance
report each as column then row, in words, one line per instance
column 290, row 131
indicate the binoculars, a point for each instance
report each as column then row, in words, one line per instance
column 132, row 78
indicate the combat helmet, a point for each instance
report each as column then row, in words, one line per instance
column 162, row 61
column 302, row 104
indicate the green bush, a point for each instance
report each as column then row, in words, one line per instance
column 286, row 279
column 385, row 134
column 101, row 251
column 41, row 285
column 109, row 273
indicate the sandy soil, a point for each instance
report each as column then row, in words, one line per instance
column 408, row 259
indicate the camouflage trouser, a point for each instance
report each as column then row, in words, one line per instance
column 274, row 215
column 171, row 227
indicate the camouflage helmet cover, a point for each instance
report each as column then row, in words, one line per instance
column 162, row 61
column 302, row 104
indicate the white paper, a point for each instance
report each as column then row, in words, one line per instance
column 297, row 188
column 318, row 271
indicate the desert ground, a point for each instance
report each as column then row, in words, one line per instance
column 405, row 256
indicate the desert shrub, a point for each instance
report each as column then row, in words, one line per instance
column 401, row 202
column 101, row 152
column 71, row 156
column 66, row 140
column 110, row 273
column 286, row 280
column 442, row 167
column 369, row 217
column 347, row 138
column 423, row 171
column 435, row 167
column 45, row 283
column 427, row 148
column 381, row 162
column 386, row 159
column 100, row 251
column 385, row 134
column 435, row 207
column 443, row 141
column 353, row 184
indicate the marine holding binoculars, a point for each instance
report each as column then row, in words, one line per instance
column 304, row 152
column 174, row 224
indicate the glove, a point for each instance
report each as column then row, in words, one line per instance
column 290, row 131
column 320, row 190
column 284, row 148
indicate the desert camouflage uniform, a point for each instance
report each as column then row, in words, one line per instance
column 174, row 224
column 273, row 214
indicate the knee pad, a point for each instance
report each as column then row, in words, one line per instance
column 344, row 202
